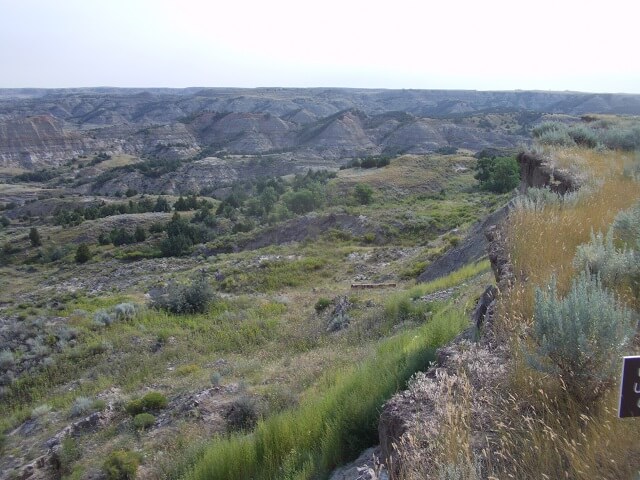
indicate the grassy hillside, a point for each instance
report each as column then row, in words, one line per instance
column 276, row 337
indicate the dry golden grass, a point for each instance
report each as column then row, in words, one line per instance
column 449, row 454
column 543, row 243
column 544, row 433
column 412, row 173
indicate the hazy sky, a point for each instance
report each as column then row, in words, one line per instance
column 484, row 44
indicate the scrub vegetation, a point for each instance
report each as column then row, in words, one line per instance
column 181, row 319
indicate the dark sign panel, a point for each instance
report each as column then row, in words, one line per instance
column 630, row 388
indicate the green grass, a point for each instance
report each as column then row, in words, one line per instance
column 272, row 275
column 455, row 278
column 335, row 421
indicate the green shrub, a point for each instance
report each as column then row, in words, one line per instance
column 583, row 136
column 102, row 318
column 157, row 227
column 580, row 337
column 558, row 138
column 81, row 406
column 547, row 127
column 83, row 253
column 363, row 193
column 243, row 414
column 142, row 421
column 104, row 239
column 53, row 253
column 69, row 453
column 627, row 226
column 183, row 299
column 34, row 237
column 413, row 270
column 152, row 401
column 601, row 257
column 121, row 465
column 499, row 174
column 322, row 304
column 125, row 311
column 140, row 235
column 369, row 237
column 7, row 359
column 216, row 379
column 622, row 139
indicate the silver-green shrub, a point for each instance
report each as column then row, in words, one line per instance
column 546, row 127
column 102, row 318
column 601, row 257
column 627, row 226
column 184, row 299
column 124, row 311
column 558, row 138
column 583, row 135
column 581, row 336
column 7, row 360
column 81, row 406
column 535, row 199
column 621, row 138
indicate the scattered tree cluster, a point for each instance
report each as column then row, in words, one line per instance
column 497, row 174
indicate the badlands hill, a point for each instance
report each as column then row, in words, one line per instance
column 42, row 128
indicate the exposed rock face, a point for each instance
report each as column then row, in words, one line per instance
column 32, row 141
column 537, row 172
column 45, row 127
column 472, row 248
column 412, row 422
column 209, row 174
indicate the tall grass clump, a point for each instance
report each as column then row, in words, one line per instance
column 455, row 278
column 334, row 423
column 581, row 336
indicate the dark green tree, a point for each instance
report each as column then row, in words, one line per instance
column 162, row 205
column 83, row 253
column 363, row 193
column 140, row 235
column 498, row 174
column 34, row 237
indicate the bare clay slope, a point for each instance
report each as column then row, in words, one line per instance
column 45, row 127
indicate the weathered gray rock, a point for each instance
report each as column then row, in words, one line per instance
column 538, row 172
column 365, row 467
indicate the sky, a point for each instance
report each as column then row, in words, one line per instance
column 449, row 44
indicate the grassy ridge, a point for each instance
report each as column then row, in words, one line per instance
column 337, row 421
column 559, row 437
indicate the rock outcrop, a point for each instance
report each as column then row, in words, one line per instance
column 28, row 142
column 472, row 248
column 412, row 422
column 538, row 172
